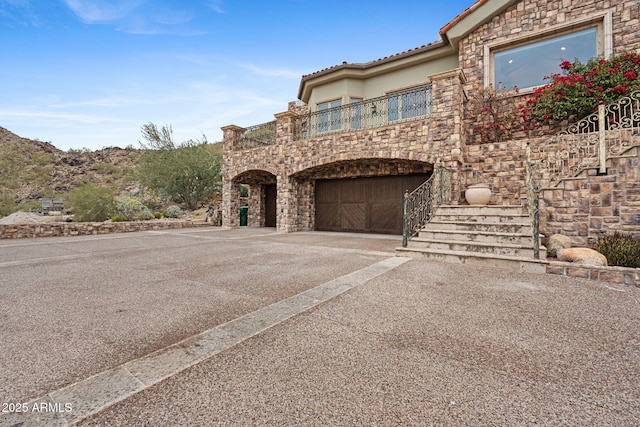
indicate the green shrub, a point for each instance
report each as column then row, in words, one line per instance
column 173, row 211
column 90, row 202
column 579, row 88
column 118, row 218
column 157, row 215
column 132, row 209
column 620, row 249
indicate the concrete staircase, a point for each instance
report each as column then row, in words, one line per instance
column 498, row 236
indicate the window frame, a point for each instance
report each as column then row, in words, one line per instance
column 604, row 43
column 328, row 114
column 399, row 97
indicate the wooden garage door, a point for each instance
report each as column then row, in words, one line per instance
column 367, row 205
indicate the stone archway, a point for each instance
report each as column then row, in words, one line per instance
column 259, row 202
column 363, row 195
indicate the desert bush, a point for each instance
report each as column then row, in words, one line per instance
column 118, row 218
column 186, row 173
column 620, row 249
column 90, row 202
column 132, row 209
column 173, row 211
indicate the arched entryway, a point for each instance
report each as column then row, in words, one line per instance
column 260, row 199
column 364, row 195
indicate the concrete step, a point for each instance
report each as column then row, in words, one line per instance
column 484, row 218
column 475, row 236
column 524, row 249
column 497, row 227
column 480, row 210
column 515, row 263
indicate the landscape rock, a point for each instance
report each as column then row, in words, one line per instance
column 583, row 256
column 557, row 241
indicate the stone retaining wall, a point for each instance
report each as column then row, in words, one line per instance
column 22, row 231
column 620, row 275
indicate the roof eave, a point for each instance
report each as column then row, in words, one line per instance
column 373, row 68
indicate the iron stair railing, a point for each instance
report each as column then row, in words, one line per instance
column 533, row 204
column 421, row 204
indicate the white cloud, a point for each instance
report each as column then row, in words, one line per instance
column 215, row 5
column 61, row 117
column 102, row 11
column 272, row 72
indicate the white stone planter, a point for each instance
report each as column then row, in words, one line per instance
column 478, row 194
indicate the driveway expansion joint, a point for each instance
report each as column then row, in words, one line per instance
column 100, row 391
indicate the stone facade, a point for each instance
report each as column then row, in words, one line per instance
column 23, row 231
column 533, row 17
column 590, row 206
column 295, row 163
column 584, row 207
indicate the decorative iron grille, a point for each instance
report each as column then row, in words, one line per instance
column 257, row 136
column 611, row 131
column 421, row 204
column 533, row 204
column 376, row 112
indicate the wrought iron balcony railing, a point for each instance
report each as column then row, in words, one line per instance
column 393, row 108
column 257, row 136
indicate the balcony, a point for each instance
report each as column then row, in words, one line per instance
column 257, row 136
column 393, row 108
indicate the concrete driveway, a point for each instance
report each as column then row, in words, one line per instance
column 249, row 327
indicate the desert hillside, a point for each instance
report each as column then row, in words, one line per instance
column 31, row 169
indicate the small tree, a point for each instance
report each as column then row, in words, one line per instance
column 186, row 173
column 92, row 203
column 496, row 111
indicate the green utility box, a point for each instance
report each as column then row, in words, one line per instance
column 244, row 214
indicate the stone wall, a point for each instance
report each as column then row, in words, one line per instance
column 620, row 275
column 407, row 147
column 529, row 17
column 590, row 206
column 22, row 231
column 502, row 165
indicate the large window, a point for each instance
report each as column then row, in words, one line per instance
column 329, row 117
column 415, row 103
column 356, row 113
column 525, row 65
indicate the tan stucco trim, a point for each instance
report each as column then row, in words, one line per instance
column 477, row 14
column 458, row 72
column 371, row 69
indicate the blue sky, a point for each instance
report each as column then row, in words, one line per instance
column 90, row 73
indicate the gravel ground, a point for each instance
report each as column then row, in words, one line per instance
column 424, row 343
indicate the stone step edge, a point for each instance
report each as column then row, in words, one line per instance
column 477, row 232
column 474, row 243
column 439, row 221
column 473, row 255
column 486, row 208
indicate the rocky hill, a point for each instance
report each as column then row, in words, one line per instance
column 30, row 169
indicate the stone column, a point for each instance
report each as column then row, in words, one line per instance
column 286, row 205
column 256, row 206
column 230, row 204
column 285, row 127
column 230, row 189
column 447, row 114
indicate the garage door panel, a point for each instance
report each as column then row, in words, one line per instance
column 353, row 191
column 352, row 216
column 370, row 205
column 386, row 217
column 328, row 217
